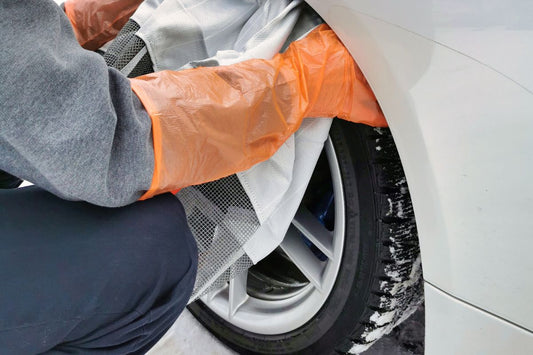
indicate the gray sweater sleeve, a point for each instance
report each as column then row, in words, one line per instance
column 68, row 123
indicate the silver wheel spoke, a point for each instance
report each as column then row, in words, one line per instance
column 237, row 292
column 280, row 299
column 300, row 254
column 313, row 230
column 212, row 294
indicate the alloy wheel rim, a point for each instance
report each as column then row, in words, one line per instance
column 272, row 314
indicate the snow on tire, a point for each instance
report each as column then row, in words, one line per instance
column 399, row 284
column 379, row 283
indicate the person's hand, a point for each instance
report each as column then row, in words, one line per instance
column 96, row 22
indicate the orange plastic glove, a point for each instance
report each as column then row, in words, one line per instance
column 209, row 123
column 96, row 22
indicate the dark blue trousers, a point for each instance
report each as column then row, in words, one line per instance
column 77, row 278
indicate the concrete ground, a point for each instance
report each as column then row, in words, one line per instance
column 188, row 337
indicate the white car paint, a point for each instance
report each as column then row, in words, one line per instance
column 454, row 83
column 462, row 329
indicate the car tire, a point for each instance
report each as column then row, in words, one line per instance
column 379, row 281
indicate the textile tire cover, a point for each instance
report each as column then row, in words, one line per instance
column 380, row 279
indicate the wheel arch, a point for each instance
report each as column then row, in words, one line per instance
column 365, row 43
column 454, row 119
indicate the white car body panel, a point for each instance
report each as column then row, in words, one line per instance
column 453, row 80
column 457, row 328
column 498, row 34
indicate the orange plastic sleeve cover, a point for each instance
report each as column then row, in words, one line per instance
column 212, row 122
column 96, row 22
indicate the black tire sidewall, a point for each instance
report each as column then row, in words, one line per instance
column 341, row 314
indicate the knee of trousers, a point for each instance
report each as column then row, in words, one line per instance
column 115, row 275
column 163, row 252
column 97, row 252
column 159, row 281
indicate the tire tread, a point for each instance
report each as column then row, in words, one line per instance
column 397, row 285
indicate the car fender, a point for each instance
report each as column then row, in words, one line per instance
column 461, row 119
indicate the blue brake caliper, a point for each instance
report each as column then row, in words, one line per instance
column 324, row 211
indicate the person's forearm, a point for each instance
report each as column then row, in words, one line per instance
column 96, row 22
column 67, row 122
column 212, row 122
column 72, row 126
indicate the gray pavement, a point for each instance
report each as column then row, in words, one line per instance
column 188, row 337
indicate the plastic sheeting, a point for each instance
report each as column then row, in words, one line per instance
column 199, row 34
column 95, row 22
column 214, row 32
column 212, row 122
